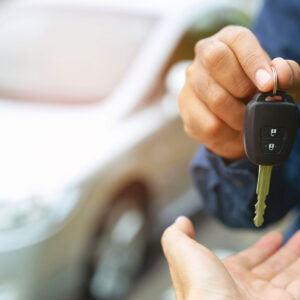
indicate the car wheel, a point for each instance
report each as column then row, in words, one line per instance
column 119, row 247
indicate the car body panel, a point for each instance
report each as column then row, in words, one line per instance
column 94, row 151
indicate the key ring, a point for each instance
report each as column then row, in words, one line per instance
column 275, row 80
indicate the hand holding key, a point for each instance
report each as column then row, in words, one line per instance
column 228, row 68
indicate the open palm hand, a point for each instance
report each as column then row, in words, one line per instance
column 263, row 271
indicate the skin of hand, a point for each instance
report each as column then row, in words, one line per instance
column 262, row 272
column 228, row 69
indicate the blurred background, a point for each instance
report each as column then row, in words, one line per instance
column 94, row 161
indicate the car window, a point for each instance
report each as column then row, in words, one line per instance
column 68, row 56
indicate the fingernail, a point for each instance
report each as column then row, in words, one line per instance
column 263, row 78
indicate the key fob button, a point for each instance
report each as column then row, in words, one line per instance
column 272, row 132
column 271, row 146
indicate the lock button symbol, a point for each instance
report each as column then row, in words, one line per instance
column 272, row 132
column 269, row 146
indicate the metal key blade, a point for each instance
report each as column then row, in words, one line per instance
column 262, row 190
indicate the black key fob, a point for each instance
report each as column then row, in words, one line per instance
column 270, row 128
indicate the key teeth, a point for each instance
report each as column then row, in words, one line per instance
column 262, row 190
column 256, row 206
column 257, row 223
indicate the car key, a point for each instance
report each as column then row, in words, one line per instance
column 262, row 191
column 269, row 132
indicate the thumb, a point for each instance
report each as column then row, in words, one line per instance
column 194, row 269
column 176, row 241
column 185, row 225
column 177, row 235
column 181, row 250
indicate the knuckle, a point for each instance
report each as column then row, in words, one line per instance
column 251, row 59
column 278, row 59
column 237, row 33
column 242, row 33
column 296, row 64
column 189, row 126
column 218, row 100
column 243, row 89
column 295, row 70
column 234, row 28
column 181, row 102
column 189, row 131
column 200, row 45
column 192, row 128
column 190, row 70
column 213, row 128
column 214, row 54
column 193, row 75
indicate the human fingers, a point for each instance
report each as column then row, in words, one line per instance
column 217, row 99
column 221, row 63
column 280, row 260
column 186, row 226
column 290, row 274
column 259, row 252
column 253, row 59
column 176, row 236
column 173, row 239
column 294, row 290
column 288, row 73
column 189, row 260
column 292, row 271
column 295, row 69
column 200, row 122
column 198, row 273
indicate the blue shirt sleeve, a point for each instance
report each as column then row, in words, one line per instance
column 228, row 190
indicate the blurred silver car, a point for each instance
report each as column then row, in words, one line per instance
column 92, row 147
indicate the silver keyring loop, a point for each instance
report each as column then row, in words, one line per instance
column 275, row 80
